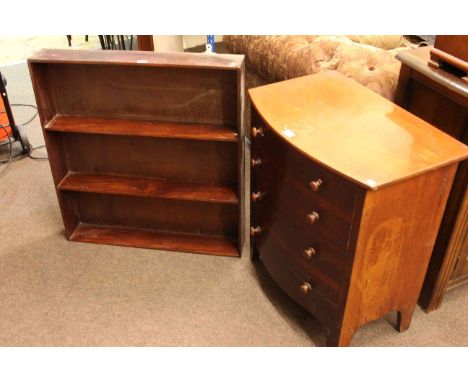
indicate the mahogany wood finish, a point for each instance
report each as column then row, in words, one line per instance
column 145, row 42
column 169, row 241
column 154, row 188
column 169, row 215
column 112, row 126
column 177, row 159
column 455, row 45
column 441, row 98
column 141, row 59
column 369, row 113
column 451, row 50
column 371, row 178
column 145, row 148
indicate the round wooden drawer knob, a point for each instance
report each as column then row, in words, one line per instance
column 308, row 253
column 256, row 162
column 313, row 217
column 256, row 196
column 254, row 231
column 257, row 132
column 305, row 288
column 316, row 184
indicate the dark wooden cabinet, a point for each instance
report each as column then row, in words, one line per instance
column 145, row 148
column 441, row 98
column 145, row 42
column 451, row 50
column 348, row 191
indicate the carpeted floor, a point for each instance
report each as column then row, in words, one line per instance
column 16, row 48
column 59, row 293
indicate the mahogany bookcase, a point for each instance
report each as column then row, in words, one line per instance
column 145, row 148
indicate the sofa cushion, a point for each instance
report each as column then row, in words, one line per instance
column 386, row 42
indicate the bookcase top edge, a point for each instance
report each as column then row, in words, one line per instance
column 138, row 58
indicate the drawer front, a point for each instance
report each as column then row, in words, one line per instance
column 319, row 260
column 307, row 177
column 295, row 282
column 308, row 214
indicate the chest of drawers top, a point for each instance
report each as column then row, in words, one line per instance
column 352, row 131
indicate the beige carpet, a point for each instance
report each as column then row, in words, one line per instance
column 59, row 293
column 18, row 48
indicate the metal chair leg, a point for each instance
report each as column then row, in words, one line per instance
column 101, row 40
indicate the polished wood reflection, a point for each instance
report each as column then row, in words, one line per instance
column 346, row 128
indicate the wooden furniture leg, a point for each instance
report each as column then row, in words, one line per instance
column 254, row 255
column 404, row 317
column 338, row 337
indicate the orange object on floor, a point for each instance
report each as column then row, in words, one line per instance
column 4, row 121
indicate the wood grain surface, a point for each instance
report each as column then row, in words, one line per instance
column 146, row 187
column 169, row 241
column 346, row 127
column 394, row 246
column 112, row 57
column 155, row 129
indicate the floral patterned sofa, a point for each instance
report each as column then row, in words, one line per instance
column 370, row 60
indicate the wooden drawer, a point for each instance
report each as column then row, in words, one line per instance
column 269, row 184
column 320, row 300
column 321, row 261
column 312, row 251
column 321, row 270
column 301, row 171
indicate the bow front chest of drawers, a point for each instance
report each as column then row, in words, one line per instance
column 348, row 191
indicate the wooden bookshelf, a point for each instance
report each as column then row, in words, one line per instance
column 145, row 148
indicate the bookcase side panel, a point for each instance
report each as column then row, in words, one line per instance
column 46, row 103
